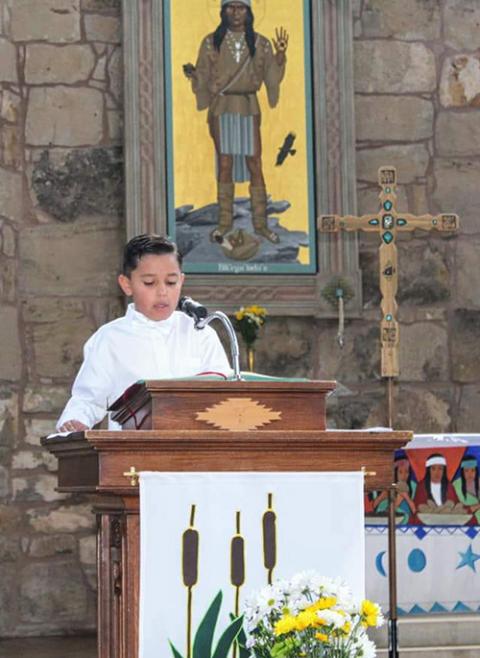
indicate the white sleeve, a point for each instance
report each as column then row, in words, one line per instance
column 214, row 358
column 90, row 389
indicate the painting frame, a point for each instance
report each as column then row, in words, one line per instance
column 334, row 150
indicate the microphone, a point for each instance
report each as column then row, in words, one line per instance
column 192, row 308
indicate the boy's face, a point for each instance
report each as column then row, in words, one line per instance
column 155, row 285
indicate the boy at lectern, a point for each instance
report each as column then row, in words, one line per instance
column 151, row 341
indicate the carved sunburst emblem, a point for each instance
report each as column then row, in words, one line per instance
column 239, row 414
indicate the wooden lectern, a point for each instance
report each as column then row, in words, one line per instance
column 198, row 426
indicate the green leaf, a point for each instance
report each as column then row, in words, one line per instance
column 202, row 644
column 227, row 639
column 176, row 654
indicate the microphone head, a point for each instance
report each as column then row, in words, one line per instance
column 192, row 308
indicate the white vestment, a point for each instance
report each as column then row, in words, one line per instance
column 132, row 348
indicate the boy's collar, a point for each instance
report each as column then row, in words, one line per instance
column 137, row 317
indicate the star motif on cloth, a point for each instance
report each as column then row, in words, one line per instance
column 468, row 559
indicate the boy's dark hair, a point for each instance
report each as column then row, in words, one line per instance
column 143, row 245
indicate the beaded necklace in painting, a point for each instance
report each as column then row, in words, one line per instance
column 236, row 45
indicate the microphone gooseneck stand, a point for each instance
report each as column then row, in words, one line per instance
column 201, row 323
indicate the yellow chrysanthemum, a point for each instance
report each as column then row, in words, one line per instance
column 306, row 619
column 323, row 604
column 323, row 637
column 346, row 628
column 370, row 612
column 286, row 624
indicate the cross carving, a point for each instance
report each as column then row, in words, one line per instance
column 388, row 222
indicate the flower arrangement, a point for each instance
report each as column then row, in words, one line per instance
column 248, row 321
column 312, row 617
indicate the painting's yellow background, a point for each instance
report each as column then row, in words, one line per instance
column 194, row 156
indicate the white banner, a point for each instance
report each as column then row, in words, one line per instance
column 438, row 568
column 318, row 522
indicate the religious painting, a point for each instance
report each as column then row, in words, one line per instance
column 240, row 166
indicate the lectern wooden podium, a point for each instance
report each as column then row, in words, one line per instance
column 198, row 426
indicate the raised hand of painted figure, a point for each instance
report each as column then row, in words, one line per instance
column 280, row 44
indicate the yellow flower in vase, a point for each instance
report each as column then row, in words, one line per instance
column 248, row 320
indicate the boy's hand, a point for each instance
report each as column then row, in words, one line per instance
column 73, row 426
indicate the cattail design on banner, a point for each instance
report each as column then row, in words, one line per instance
column 190, row 546
column 269, row 523
column 237, row 567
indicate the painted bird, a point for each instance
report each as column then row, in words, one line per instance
column 286, row 149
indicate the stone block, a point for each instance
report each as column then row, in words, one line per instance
column 411, row 161
column 468, row 274
column 8, row 417
column 8, row 599
column 50, row 64
column 358, row 361
column 10, row 354
column 58, row 329
column 8, row 61
column 423, row 352
column 51, row 545
column 351, row 411
column 115, row 126
column 393, row 67
column 409, row 20
column 64, row 519
column 88, row 550
column 81, row 259
column 64, row 116
column 465, row 346
column 284, row 346
column 88, row 182
column 8, row 240
column 456, row 190
column 10, row 549
column 11, row 150
column 100, row 70
column 9, row 105
column 417, row 409
column 4, row 484
column 11, row 195
column 8, row 280
column 368, row 202
column 115, row 75
column 424, row 273
column 468, row 416
column 461, row 22
column 56, row 21
column 387, row 118
column 101, row 5
column 28, row 459
column 55, row 592
column 457, row 133
column 105, row 29
column 460, row 81
column 44, row 399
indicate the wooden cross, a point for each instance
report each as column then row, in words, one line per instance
column 388, row 222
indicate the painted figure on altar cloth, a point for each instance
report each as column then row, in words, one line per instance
column 467, row 486
column 435, row 494
column 406, row 488
column 233, row 63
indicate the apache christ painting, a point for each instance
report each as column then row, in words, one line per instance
column 238, row 96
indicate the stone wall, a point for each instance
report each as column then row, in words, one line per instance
column 61, row 229
column 417, row 106
column 417, row 91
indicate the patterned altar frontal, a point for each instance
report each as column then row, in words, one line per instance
column 234, row 533
column 438, row 527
